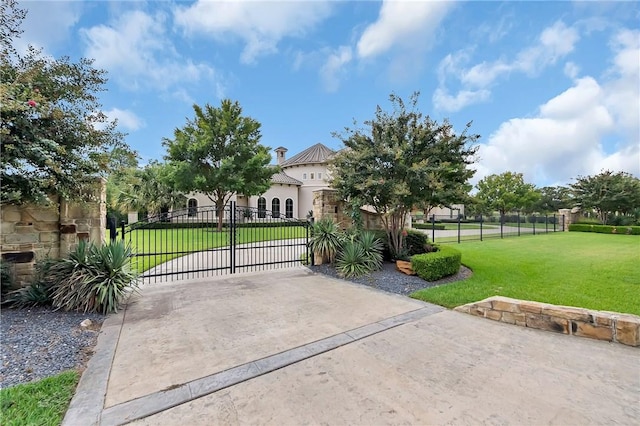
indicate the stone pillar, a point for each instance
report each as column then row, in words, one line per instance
column 29, row 233
column 84, row 220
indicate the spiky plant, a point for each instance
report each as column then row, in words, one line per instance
column 326, row 239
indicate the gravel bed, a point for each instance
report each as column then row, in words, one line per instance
column 391, row 280
column 40, row 342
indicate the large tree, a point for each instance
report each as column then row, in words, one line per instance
column 607, row 193
column 552, row 199
column 218, row 153
column 401, row 160
column 53, row 134
column 507, row 192
column 149, row 189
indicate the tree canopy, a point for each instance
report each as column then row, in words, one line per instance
column 607, row 193
column 53, row 135
column 552, row 199
column 506, row 192
column 218, row 153
column 402, row 160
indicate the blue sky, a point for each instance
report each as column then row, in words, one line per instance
column 553, row 88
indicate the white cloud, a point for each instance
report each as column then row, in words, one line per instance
column 127, row 120
column 442, row 100
column 261, row 25
column 571, row 70
column 332, row 70
column 404, row 24
column 137, row 51
column 589, row 127
column 46, row 26
column 553, row 43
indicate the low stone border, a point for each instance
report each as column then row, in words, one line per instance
column 601, row 325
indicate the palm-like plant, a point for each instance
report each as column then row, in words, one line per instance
column 352, row 260
column 372, row 247
column 326, row 239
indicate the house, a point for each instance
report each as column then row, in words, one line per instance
column 291, row 192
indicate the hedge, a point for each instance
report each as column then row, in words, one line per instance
column 438, row 264
column 605, row 229
column 427, row 226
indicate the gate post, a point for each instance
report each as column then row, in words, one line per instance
column 232, row 237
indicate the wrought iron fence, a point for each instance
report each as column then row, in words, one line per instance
column 203, row 241
column 458, row 229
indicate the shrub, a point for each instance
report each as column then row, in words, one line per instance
column 7, row 281
column 92, row 278
column 436, row 226
column 605, row 229
column 435, row 265
column 326, row 239
column 38, row 292
column 416, row 242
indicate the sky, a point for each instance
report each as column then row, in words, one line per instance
column 552, row 88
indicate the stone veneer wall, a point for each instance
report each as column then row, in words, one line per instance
column 326, row 203
column 29, row 233
column 610, row 326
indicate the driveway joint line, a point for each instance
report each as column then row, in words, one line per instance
column 163, row 400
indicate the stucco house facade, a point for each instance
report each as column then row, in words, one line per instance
column 291, row 192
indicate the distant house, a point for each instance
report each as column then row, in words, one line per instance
column 291, row 192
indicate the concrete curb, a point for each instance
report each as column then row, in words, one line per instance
column 88, row 400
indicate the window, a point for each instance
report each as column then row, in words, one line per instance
column 275, row 207
column 192, row 207
column 319, row 175
column 262, row 208
column 288, row 206
column 311, row 176
column 304, row 176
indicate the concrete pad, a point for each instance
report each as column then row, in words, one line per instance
column 446, row 368
column 175, row 333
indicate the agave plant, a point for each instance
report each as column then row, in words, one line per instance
column 326, row 239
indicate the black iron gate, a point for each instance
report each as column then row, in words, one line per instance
column 199, row 242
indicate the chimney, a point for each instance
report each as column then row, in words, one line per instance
column 280, row 154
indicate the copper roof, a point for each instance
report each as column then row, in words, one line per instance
column 317, row 153
column 285, row 179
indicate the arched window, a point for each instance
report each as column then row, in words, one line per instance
column 262, row 208
column 192, row 207
column 288, row 208
column 275, row 207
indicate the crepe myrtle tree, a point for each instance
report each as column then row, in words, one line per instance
column 399, row 160
column 507, row 192
column 607, row 193
column 53, row 134
column 218, row 153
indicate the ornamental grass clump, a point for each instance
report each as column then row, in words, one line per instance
column 326, row 239
column 360, row 255
column 93, row 279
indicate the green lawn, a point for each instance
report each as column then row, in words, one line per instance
column 39, row 403
column 593, row 271
column 160, row 241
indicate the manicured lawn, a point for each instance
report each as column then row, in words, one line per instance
column 40, row 403
column 593, row 271
column 178, row 241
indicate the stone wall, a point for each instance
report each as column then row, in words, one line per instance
column 570, row 216
column 610, row 326
column 29, row 233
column 327, row 203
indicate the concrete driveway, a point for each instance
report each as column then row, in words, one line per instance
column 292, row 347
